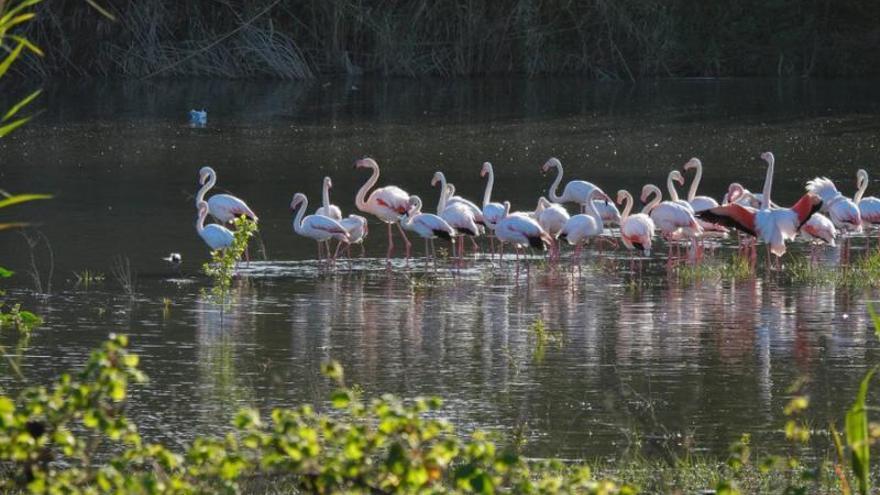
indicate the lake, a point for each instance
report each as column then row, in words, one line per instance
column 637, row 362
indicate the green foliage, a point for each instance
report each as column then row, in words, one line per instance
column 543, row 337
column 12, row 15
column 858, row 437
column 222, row 265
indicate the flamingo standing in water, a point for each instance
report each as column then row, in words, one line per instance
column 636, row 231
column 317, row 227
column 458, row 214
column 576, row 191
column 674, row 220
column 223, row 207
column 869, row 208
column 521, row 231
column 492, row 212
column 327, row 209
column 698, row 203
column 819, row 229
column 452, row 199
column 773, row 226
column 357, row 229
column 427, row 225
column 581, row 228
column 385, row 203
column 215, row 236
column 552, row 217
column 843, row 211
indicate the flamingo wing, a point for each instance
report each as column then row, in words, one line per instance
column 732, row 215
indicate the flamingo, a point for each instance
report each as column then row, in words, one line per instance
column 869, row 208
column 673, row 177
column 676, row 176
column 552, row 217
column 328, row 210
column 457, row 214
column 698, row 203
column 819, row 229
column 492, row 212
column 385, row 203
column 521, row 231
column 357, row 229
column 636, row 231
column 576, row 191
column 223, row 207
column 674, row 220
column 451, row 198
column 842, row 210
column 215, row 236
column 745, row 198
column 580, row 228
column 427, row 225
column 773, row 226
column 317, row 227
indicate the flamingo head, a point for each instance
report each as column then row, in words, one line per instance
column 551, row 163
column 414, row 205
column 621, row 196
column 204, row 174
column 366, row 162
column 677, row 177
column 600, row 195
column 861, row 177
column 647, row 190
column 767, row 156
column 328, row 183
column 734, row 192
column 298, row 198
column 487, row 167
column 693, row 163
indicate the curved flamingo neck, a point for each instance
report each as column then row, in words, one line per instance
column 506, row 209
column 297, row 221
column 360, row 198
column 444, row 194
column 670, row 185
column 487, row 194
column 212, row 179
column 627, row 205
column 862, row 184
column 200, row 223
column 593, row 212
column 326, row 198
column 692, row 192
column 652, row 189
column 555, row 186
column 768, row 184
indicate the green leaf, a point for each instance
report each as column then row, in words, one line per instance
column 22, row 198
column 4, row 273
column 6, row 129
column 875, row 319
column 21, row 104
column 104, row 12
column 4, row 21
column 857, row 435
column 13, row 55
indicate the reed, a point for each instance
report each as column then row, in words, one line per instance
column 602, row 39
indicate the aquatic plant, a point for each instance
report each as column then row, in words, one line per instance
column 737, row 267
column 221, row 268
column 862, row 272
column 543, row 337
column 122, row 272
column 85, row 278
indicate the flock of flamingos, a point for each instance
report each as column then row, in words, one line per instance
column 753, row 215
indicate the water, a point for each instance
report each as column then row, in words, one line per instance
column 645, row 357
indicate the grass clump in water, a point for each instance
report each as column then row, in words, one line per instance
column 737, row 267
column 863, row 272
column 543, row 338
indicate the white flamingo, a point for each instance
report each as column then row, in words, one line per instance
column 576, row 191
column 521, row 231
column 385, row 203
column 492, row 212
column 427, row 225
column 452, row 199
column 317, row 227
column 698, row 203
column 552, row 217
column 215, row 236
column 357, row 229
column 327, row 209
column 459, row 215
column 223, row 207
column 675, row 221
column 869, row 208
column 582, row 227
column 842, row 210
column 636, row 231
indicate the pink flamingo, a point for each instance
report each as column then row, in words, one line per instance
column 458, row 214
column 385, row 203
column 674, row 220
column 552, row 217
column 492, row 212
column 698, row 203
column 636, row 231
column 215, row 236
column 317, row 227
column 869, row 208
column 521, row 231
column 427, row 225
column 223, row 207
column 579, row 229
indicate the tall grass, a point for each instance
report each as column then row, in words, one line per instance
column 603, row 39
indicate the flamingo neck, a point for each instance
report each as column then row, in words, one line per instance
column 593, row 212
column 506, row 209
column 555, row 187
column 487, row 194
column 200, row 223
column 360, row 198
column 444, row 194
column 212, row 179
column 655, row 201
column 627, row 205
column 297, row 221
column 768, row 185
column 862, row 187
column 670, row 185
column 326, row 198
column 692, row 192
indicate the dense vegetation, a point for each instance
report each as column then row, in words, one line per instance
column 602, row 39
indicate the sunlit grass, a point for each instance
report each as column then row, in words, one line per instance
column 862, row 272
column 737, row 267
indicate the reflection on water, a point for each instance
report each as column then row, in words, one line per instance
column 632, row 356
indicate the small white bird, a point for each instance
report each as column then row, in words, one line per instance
column 174, row 258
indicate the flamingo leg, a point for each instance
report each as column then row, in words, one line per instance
column 390, row 244
column 405, row 239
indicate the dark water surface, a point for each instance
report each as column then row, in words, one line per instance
column 638, row 357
